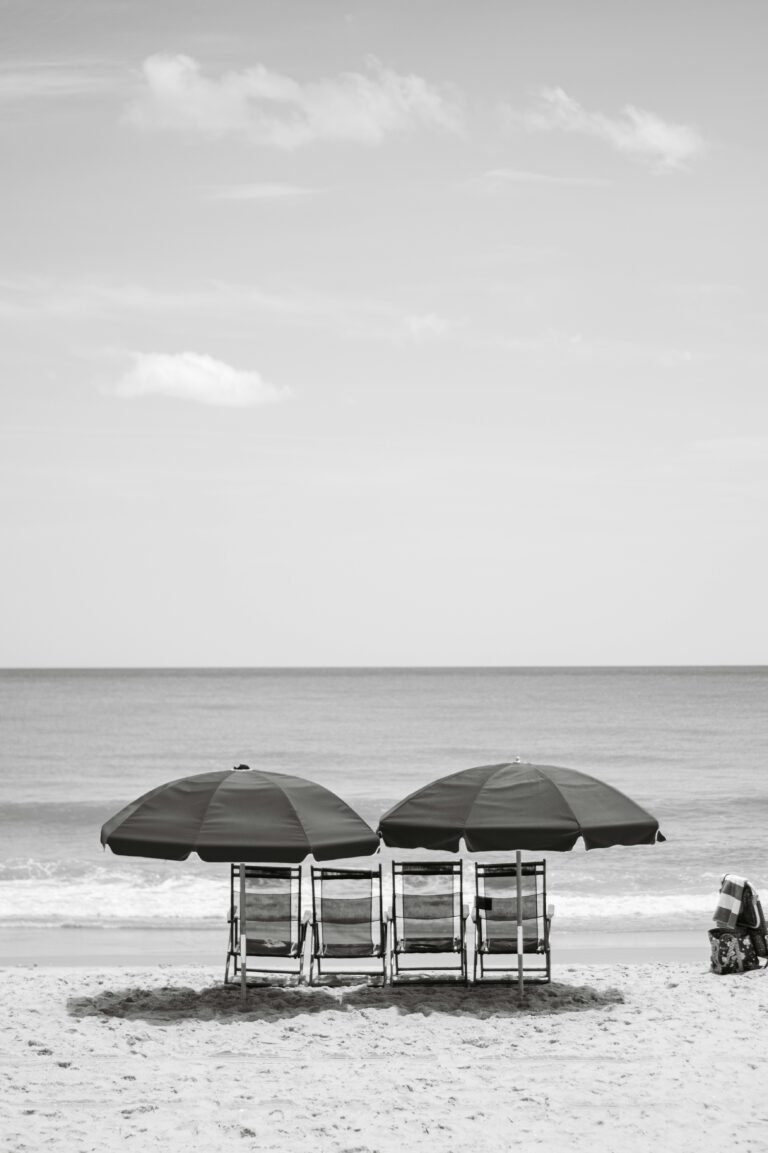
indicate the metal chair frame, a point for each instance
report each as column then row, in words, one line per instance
column 377, row 965
column 532, row 971
column 459, row 968
column 298, row 926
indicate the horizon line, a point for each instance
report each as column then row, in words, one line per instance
column 370, row 668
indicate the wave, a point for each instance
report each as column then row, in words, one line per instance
column 43, row 895
column 113, row 898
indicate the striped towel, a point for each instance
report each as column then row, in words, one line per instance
column 729, row 901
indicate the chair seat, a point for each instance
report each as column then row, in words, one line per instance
column 351, row 950
column 270, row 947
column 509, row 945
column 429, row 945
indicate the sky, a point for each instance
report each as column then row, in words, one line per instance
column 406, row 332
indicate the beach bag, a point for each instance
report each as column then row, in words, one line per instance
column 754, row 919
column 740, row 938
column 732, row 952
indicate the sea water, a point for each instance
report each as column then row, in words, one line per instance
column 689, row 744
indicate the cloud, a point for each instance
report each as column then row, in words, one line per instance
column 746, row 450
column 41, row 80
column 639, row 134
column 268, row 108
column 28, row 297
column 69, row 301
column 259, row 192
column 428, row 325
column 499, row 177
column 190, row 376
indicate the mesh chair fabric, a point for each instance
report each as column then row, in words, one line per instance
column 271, row 922
column 347, row 913
column 428, row 908
column 497, row 909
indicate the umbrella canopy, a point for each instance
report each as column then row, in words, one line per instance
column 517, row 806
column 239, row 815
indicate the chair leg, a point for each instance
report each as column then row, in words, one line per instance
column 302, row 955
column 306, row 935
column 243, row 973
column 386, row 954
column 231, row 956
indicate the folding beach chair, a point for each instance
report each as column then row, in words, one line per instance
column 495, row 917
column 266, row 929
column 348, row 931
column 428, row 919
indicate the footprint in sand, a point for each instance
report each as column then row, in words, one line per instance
column 128, row 1112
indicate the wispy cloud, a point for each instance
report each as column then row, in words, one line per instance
column 636, row 133
column 194, row 377
column 25, row 298
column 46, row 80
column 427, row 325
column 268, row 108
column 25, row 301
column 259, row 192
column 503, row 177
column 703, row 290
column 746, row 450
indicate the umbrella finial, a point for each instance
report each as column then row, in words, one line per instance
column 517, row 761
column 241, row 769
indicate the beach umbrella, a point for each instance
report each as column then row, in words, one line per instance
column 240, row 815
column 516, row 806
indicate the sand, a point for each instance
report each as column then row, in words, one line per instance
column 613, row 1057
column 100, row 946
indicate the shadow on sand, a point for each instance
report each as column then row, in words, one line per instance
column 169, row 1003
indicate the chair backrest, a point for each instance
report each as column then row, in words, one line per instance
column 496, row 900
column 271, row 915
column 428, row 899
column 347, row 911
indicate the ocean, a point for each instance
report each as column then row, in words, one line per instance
column 689, row 744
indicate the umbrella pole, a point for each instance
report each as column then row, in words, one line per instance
column 243, row 933
column 519, row 877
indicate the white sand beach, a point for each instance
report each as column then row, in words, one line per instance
column 623, row 1057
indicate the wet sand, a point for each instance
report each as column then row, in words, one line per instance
column 91, row 946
